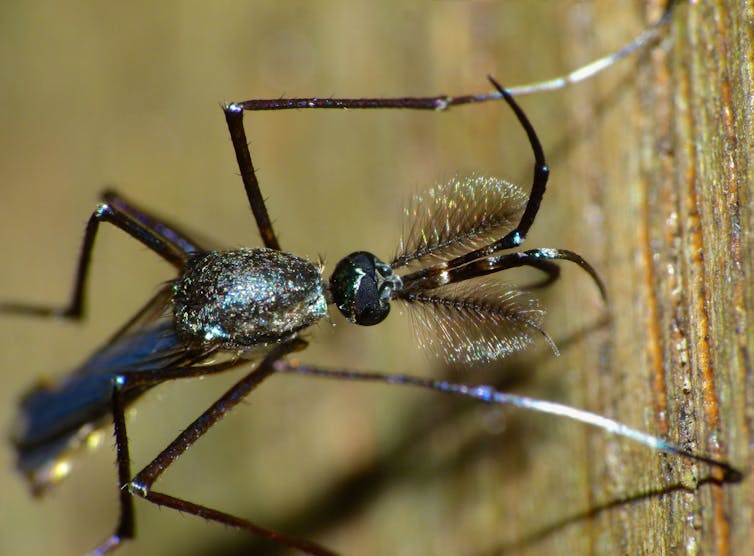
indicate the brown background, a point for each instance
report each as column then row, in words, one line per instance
column 651, row 182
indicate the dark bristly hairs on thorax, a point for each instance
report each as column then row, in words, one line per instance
column 227, row 309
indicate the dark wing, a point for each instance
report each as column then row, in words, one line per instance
column 57, row 419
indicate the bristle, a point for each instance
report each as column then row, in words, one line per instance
column 459, row 215
column 475, row 323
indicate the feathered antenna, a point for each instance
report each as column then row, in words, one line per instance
column 476, row 322
column 460, row 215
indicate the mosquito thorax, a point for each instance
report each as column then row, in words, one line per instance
column 361, row 287
column 246, row 297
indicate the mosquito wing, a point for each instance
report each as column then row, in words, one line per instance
column 56, row 419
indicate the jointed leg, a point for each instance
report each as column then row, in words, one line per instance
column 156, row 224
column 141, row 484
column 551, row 271
column 125, row 527
column 160, row 238
column 540, row 259
column 488, row 394
column 440, row 275
column 518, row 234
column 234, row 117
column 477, row 262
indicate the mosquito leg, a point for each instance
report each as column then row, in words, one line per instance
column 124, row 530
column 234, row 118
column 158, row 225
column 303, row 545
column 540, row 259
column 647, row 37
column 551, row 270
column 235, row 110
column 141, row 484
column 517, row 235
column 136, row 224
column 147, row 476
column 488, row 394
column 153, row 377
column 440, row 102
column 440, row 275
column 476, row 262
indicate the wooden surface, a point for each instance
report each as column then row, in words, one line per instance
column 677, row 238
column 651, row 182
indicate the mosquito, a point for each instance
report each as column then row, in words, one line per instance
column 248, row 307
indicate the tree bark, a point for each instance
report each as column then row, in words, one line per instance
column 668, row 166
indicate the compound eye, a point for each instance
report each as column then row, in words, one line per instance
column 361, row 285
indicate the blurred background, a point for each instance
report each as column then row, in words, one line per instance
column 127, row 96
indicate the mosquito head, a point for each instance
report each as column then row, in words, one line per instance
column 362, row 286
